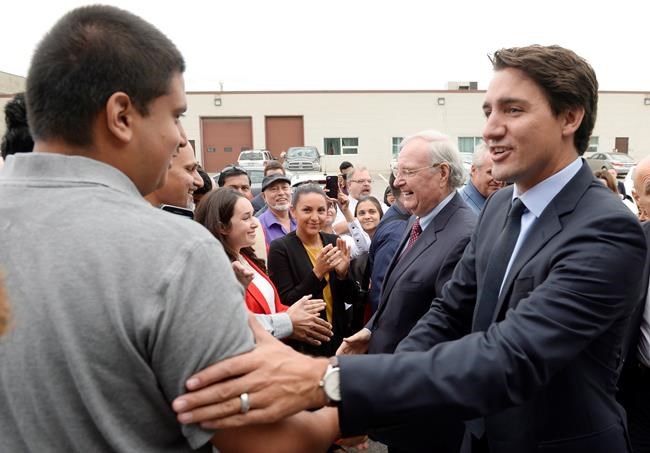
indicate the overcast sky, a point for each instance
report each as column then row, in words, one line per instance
column 359, row 44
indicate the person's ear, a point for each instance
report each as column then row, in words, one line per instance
column 444, row 173
column 119, row 116
column 572, row 119
column 223, row 229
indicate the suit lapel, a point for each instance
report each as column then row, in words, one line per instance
column 428, row 237
column 259, row 298
column 544, row 228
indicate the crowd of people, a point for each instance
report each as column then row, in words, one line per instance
column 145, row 306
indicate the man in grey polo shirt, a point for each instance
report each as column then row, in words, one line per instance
column 113, row 303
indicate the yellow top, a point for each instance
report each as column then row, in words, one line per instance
column 327, row 291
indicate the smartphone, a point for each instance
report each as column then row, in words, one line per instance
column 178, row 210
column 332, row 186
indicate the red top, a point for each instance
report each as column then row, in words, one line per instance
column 255, row 300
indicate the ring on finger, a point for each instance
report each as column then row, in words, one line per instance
column 244, row 402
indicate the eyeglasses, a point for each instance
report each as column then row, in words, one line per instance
column 407, row 172
column 362, row 181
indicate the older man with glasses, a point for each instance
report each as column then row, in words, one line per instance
column 428, row 172
column 359, row 184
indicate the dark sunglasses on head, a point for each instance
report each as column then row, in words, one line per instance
column 231, row 168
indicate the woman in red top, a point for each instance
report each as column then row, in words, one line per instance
column 228, row 215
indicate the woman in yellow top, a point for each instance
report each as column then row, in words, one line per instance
column 308, row 261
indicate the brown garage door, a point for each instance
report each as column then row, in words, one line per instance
column 223, row 139
column 283, row 132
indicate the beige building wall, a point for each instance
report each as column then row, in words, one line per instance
column 624, row 114
column 373, row 117
column 11, row 83
column 376, row 117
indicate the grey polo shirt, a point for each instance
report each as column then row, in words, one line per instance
column 114, row 303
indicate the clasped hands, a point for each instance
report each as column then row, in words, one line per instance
column 333, row 258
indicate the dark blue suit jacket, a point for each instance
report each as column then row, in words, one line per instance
column 414, row 279
column 382, row 248
column 544, row 374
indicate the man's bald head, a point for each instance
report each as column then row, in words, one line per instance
column 641, row 189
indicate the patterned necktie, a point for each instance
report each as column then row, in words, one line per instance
column 416, row 230
column 497, row 265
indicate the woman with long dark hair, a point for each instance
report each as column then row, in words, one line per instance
column 228, row 215
column 310, row 261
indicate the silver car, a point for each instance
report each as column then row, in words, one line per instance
column 302, row 158
column 621, row 162
column 254, row 158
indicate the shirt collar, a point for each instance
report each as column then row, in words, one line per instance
column 540, row 195
column 59, row 168
column 427, row 219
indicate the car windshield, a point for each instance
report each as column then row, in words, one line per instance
column 302, row 152
column 621, row 158
column 251, row 156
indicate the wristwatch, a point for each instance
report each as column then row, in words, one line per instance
column 331, row 383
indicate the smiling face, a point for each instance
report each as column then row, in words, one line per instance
column 182, row 179
column 310, row 213
column 278, row 196
column 428, row 185
column 368, row 216
column 527, row 142
column 241, row 232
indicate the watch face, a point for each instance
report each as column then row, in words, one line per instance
column 332, row 385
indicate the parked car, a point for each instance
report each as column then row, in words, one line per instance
column 302, row 158
column 621, row 162
column 254, row 158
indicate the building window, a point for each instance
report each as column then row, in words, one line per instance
column 343, row 145
column 396, row 143
column 593, row 145
column 467, row 144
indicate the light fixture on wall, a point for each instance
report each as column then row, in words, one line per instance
column 646, row 101
column 441, row 101
column 217, row 101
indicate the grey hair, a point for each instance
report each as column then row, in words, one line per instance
column 480, row 153
column 442, row 149
column 357, row 170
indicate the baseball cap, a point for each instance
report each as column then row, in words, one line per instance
column 272, row 179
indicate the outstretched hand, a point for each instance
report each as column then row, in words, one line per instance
column 278, row 380
column 355, row 344
column 308, row 326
